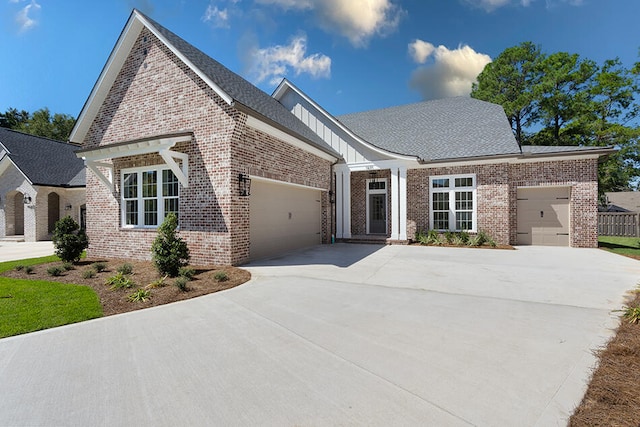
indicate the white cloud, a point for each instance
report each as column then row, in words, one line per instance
column 273, row 63
column 357, row 20
column 24, row 18
column 451, row 74
column 219, row 18
column 420, row 50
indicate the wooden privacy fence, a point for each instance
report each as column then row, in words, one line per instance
column 625, row 224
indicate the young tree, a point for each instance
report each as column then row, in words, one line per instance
column 41, row 123
column 512, row 81
column 169, row 252
column 13, row 118
column 69, row 240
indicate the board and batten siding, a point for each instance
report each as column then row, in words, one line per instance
column 351, row 150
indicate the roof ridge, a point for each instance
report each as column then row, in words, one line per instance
column 428, row 101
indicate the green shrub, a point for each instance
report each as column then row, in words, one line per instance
column 631, row 314
column 157, row 283
column 464, row 236
column 19, row 267
column 67, row 266
column 459, row 240
column 88, row 274
column 475, row 240
column 448, row 237
column 421, row 237
column 169, row 252
column 181, row 283
column 55, row 270
column 221, row 276
column 99, row 266
column 125, row 268
column 28, row 269
column 120, row 281
column 141, row 295
column 187, row 272
column 69, row 240
column 488, row 240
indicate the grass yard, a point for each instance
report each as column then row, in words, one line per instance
column 33, row 305
column 628, row 246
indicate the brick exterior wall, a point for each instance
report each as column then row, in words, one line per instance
column 154, row 94
column 35, row 216
column 497, row 186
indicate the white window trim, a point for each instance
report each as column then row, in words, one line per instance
column 386, row 195
column 452, row 200
column 139, row 170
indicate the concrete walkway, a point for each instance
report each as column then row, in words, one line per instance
column 338, row 335
column 11, row 251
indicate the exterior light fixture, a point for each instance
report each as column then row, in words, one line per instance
column 67, row 207
column 332, row 197
column 244, row 184
column 26, row 200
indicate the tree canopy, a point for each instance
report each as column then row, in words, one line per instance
column 41, row 123
column 563, row 99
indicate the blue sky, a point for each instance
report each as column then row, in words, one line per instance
column 349, row 55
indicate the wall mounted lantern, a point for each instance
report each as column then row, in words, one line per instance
column 67, row 207
column 26, row 200
column 244, row 184
column 332, row 197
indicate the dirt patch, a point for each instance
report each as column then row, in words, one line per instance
column 207, row 280
column 612, row 398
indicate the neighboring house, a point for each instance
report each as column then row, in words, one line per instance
column 168, row 129
column 622, row 201
column 41, row 180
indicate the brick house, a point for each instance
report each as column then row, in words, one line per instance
column 168, row 129
column 41, row 180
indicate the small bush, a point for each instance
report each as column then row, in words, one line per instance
column 55, row 270
column 448, row 237
column 181, row 283
column 69, row 240
column 120, row 281
column 221, row 276
column 28, row 269
column 88, row 274
column 157, row 284
column 421, row 237
column 19, row 267
column 67, row 266
column 631, row 314
column 187, row 272
column 125, row 268
column 464, row 236
column 475, row 240
column 141, row 295
column 169, row 252
column 99, row 266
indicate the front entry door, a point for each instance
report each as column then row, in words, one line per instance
column 377, row 213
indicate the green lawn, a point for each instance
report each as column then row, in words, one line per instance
column 629, row 246
column 32, row 305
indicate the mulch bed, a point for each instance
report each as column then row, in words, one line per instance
column 143, row 274
column 613, row 397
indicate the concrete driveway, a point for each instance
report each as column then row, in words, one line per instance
column 338, row 335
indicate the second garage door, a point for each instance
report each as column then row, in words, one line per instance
column 543, row 216
column 283, row 218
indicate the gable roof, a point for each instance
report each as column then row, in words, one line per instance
column 43, row 161
column 231, row 87
column 443, row 129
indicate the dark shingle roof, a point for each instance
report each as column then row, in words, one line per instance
column 241, row 90
column 451, row 128
column 44, row 161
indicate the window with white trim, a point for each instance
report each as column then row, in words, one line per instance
column 148, row 195
column 453, row 203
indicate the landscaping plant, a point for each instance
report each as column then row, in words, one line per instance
column 169, row 252
column 141, row 295
column 69, row 240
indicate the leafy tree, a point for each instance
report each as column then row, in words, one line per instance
column 40, row 123
column 69, row 240
column 512, row 80
column 169, row 252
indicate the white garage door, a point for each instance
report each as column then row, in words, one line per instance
column 283, row 218
column 543, row 216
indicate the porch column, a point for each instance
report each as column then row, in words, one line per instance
column 399, row 203
column 343, row 203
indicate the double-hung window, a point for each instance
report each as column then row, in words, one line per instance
column 453, row 203
column 148, row 195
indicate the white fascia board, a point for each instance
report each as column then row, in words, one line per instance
column 285, row 84
column 381, row 164
column 106, row 79
column 289, row 184
column 261, row 126
column 554, row 158
column 217, row 89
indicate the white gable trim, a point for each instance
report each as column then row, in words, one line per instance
column 285, row 84
column 112, row 68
